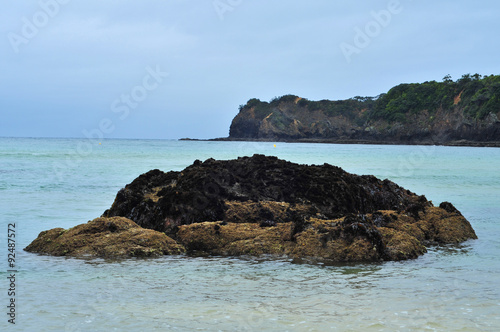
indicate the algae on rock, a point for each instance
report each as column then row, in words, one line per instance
column 263, row 205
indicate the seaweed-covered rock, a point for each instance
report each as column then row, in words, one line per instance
column 105, row 237
column 281, row 191
column 263, row 205
column 354, row 238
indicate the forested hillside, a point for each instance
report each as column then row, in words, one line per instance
column 431, row 112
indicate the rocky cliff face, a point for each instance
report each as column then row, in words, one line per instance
column 444, row 127
column 462, row 112
column 262, row 205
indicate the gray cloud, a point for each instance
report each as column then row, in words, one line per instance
column 64, row 78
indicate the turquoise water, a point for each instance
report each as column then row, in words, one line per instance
column 47, row 183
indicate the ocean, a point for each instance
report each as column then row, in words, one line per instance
column 48, row 183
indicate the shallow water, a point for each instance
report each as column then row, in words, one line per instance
column 47, row 183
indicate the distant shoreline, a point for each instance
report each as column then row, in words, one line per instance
column 458, row 143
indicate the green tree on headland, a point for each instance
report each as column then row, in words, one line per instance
column 477, row 95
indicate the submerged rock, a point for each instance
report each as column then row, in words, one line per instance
column 263, row 205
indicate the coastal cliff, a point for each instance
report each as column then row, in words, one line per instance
column 462, row 112
column 262, row 205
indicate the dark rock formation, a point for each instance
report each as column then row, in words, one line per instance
column 254, row 189
column 263, row 205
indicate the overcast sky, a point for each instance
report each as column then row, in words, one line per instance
column 180, row 68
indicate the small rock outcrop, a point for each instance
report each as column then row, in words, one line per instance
column 263, row 205
column 105, row 237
